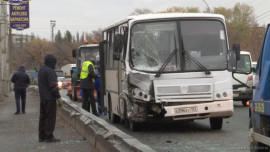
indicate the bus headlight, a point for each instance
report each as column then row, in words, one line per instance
column 139, row 94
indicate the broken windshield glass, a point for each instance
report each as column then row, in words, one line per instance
column 153, row 42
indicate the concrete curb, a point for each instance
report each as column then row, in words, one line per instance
column 103, row 136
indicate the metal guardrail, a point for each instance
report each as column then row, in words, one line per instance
column 101, row 135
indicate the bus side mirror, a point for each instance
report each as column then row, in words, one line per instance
column 117, row 46
column 236, row 49
column 232, row 63
column 74, row 53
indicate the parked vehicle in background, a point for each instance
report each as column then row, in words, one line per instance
column 60, row 77
column 259, row 126
column 66, row 82
column 59, row 73
column 254, row 65
column 60, row 81
column 243, row 81
column 67, row 69
column 174, row 66
column 82, row 53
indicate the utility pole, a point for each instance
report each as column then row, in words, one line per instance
column 52, row 26
column 4, row 52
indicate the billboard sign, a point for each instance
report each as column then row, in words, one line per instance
column 18, row 14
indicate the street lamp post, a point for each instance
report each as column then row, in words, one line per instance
column 53, row 23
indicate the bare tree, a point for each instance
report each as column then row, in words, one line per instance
column 35, row 51
column 139, row 11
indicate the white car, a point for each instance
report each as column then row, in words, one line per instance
column 243, row 92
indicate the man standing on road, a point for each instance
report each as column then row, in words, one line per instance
column 87, row 77
column 21, row 81
column 97, row 86
column 49, row 94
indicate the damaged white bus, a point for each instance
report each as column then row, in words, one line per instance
column 174, row 66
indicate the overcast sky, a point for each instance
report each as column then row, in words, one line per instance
column 88, row 15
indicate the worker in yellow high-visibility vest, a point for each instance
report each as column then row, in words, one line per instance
column 87, row 77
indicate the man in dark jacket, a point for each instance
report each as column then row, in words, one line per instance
column 49, row 93
column 21, row 81
column 87, row 80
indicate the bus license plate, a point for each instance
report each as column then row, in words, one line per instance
column 185, row 110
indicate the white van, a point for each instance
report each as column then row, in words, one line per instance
column 243, row 79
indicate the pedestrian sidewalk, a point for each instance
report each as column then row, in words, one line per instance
column 19, row 133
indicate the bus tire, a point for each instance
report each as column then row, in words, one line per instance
column 216, row 123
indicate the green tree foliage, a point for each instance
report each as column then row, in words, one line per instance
column 58, row 37
column 78, row 37
column 68, row 36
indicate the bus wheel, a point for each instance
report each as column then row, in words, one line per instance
column 216, row 123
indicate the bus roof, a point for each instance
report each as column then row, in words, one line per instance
column 165, row 16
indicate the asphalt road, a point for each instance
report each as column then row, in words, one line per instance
column 192, row 136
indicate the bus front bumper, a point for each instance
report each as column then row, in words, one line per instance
column 203, row 110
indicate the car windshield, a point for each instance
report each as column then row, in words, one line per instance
column 243, row 65
column 152, row 43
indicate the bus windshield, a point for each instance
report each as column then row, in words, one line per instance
column 89, row 53
column 153, row 42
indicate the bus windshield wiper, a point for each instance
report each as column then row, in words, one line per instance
column 167, row 60
column 191, row 58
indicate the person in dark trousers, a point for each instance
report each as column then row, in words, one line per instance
column 97, row 86
column 49, row 95
column 21, row 81
column 87, row 77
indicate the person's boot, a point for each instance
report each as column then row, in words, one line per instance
column 16, row 113
column 52, row 139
